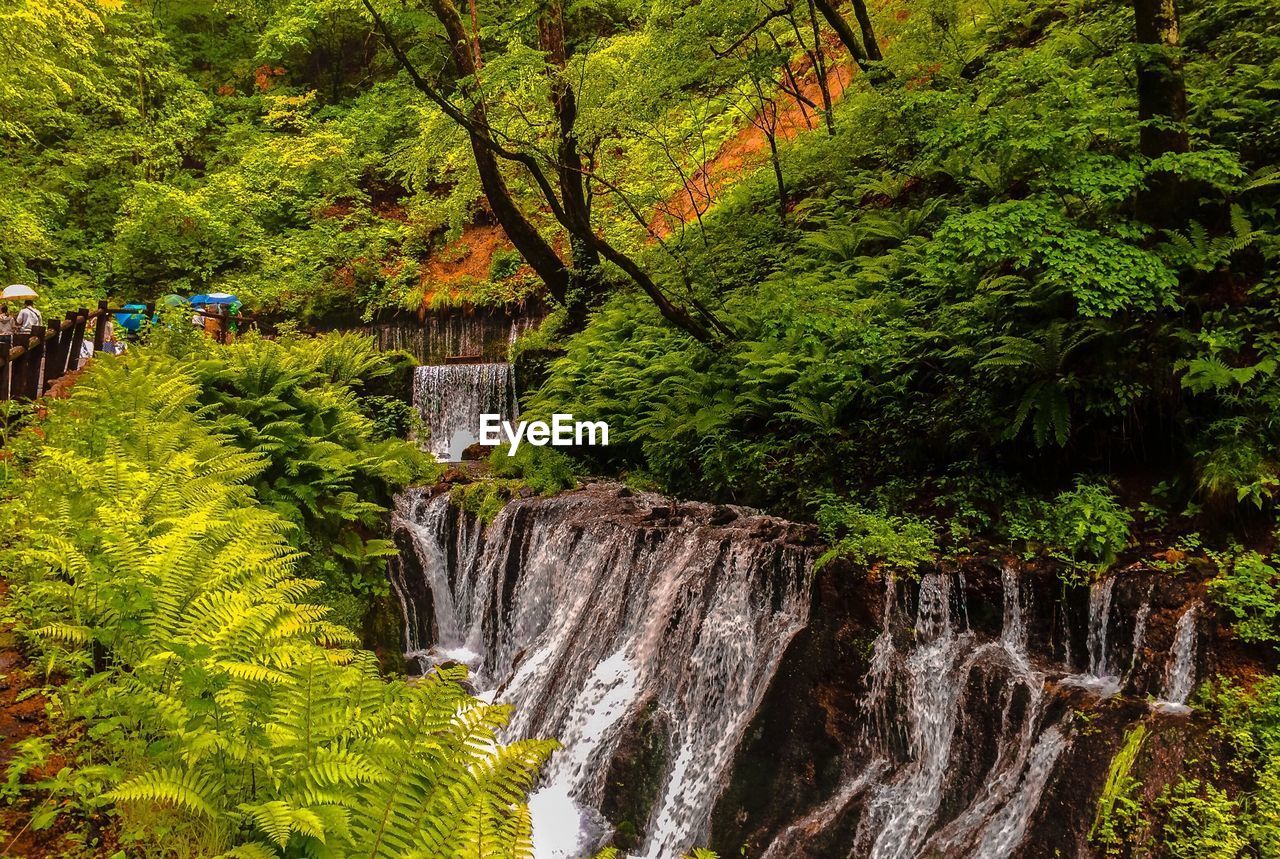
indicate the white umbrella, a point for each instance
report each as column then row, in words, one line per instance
column 18, row 290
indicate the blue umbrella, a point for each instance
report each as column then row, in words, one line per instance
column 131, row 317
column 204, row 299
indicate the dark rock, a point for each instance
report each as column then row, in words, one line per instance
column 796, row 747
column 635, row 776
column 722, row 515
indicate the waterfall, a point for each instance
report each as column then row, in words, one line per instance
column 1140, row 631
column 1007, row 826
column 1099, row 619
column 520, row 326
column 480, row 336
column 851, row 787
column 1180, row 675
column 590, row 610
column 1098, row 678
column 902, row 816
column 451, row 397
column 902, row 807
column 644, row 635
column 1013, row 631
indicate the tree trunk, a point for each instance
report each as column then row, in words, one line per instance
column 1162, row 105
column 535, row 250
column 820, row 66
column 585, row 287
column 838, row 23
column 486, row 150
column 869, row 42
column 670, row 311
column 778, row 177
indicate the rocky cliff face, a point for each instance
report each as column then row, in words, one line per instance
column 710, row 688
column 972, row 713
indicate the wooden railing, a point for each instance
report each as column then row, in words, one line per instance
column 30, row 363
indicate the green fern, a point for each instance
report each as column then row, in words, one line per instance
column 243, row 721
column 1041, row 362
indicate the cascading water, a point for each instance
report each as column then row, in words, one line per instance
column 1098, row 678
column 589, row 611
column 1013, row 629
column 452, row 397
column 1139, row 632
column 1180, row 676
column 851, row 787
column 901, row 818
column 1099, row 622
column 655, row 640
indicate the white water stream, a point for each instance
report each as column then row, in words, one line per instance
column 1180, row 675
column 901, row 816
column 600, row 623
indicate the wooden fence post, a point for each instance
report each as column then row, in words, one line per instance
column 6, row 341
column 52, row 345
column 21, row 366
column 17, row 369
column 34, row 360
column 77, row 338
column 55, row 362
column 100, row 326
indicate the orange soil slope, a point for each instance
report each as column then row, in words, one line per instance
column 469, row 257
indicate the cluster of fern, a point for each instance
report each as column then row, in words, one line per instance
column 223, row 713
column 332, row 458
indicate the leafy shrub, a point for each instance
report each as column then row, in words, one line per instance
column 1235, row 470
column 1248, row 587
column 1200, row 822
column 392, row 417
column 1118, row 805
column 543, row 469
column 237, row 718
column 865, row 537
column 330, row 468
column 1084, row 525
column 485, row 498
column 504, row 264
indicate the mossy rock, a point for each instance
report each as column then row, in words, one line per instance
column 636, row 775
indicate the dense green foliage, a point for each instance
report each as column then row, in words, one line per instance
column 302, row 405
column 274, row 150
column 965, row 288
column 1226, row 806
column 225, row 714
column 941, row 312
column 333, row 445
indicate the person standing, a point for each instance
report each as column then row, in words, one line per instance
column 7, row 325
column 28, row 317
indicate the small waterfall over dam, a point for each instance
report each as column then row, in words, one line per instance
column 451, row 398
column 710, row 688
column 478, row 336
